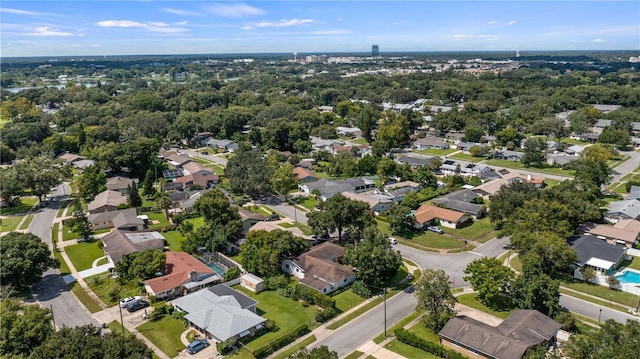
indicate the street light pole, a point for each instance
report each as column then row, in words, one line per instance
column 384, row 299
column 600, row 315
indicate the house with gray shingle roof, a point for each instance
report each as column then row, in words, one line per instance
column 462, row 201
column 221, row 313
column 596, row 254
column 125, row 219
column 625, row 209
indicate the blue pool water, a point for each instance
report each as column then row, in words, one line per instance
column 629, row 277
column 216, row 268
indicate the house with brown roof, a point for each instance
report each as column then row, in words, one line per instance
column 320, row 268
column 121, row 184
column 106, row 201
column 249, row 218
column 117, row 243
column 178, row 160
column 426, row 214
column 68, row 157
column 304, row 175
column 522, row 331
column 624, row 232
column 183, row 274
column 124, row 219
column 430, row 142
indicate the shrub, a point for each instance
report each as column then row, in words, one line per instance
column 232, row 273
column 280, row 342
column 325, row 314
column 438, row 350
column 277, row 282
column 313, row 297
column 225, row 346
column 359, row 288
column 567, row 321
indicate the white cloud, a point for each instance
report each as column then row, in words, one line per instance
column 512, row 22
column 488, row 37
column 181, row 23
column 598, row 41
column 491, row 22
column 284, row 23
column 180, row 12
column 339, row 19
column 248, row 28
column 151, row 26
column 460, row 37
column 235, row 10
column 18, row 11
column 47, row 31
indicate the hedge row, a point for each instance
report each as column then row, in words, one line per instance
column 280, row 342
column 438, row 350
column 312, row 296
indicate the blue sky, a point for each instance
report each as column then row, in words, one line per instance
column 123, row 27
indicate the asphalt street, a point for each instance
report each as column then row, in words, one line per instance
column 627, row 166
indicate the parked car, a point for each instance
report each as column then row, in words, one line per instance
column 137, row 305
column 197, row 345
column 128, row 300
column 85, row 239
column 507, row 246
column 393, row 240
column 273, row 217
column 435, row 229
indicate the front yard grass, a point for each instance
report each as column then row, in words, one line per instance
column 197, row 222
column 435, row 240
column 347, row 300
column 306, row 202
column 158, row 219
column 502, row 311
column 84, row 298
column 465, row 157
column 303, row 344
column 103, row 286
column 407, row 351
column 64, row 268
column 600, row 291
column 27, row 222
column 287, row 315
column 54, row 232
column 68, row 234
column 83, row 254
column 26, row 203
column 479, row 228
column 437, row 152
column 174, row 239
column 165, row 334
column 116, row 327
column 10, row 223
column 519, row 166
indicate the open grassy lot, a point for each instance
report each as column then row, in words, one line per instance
column 437, row 152
column 104, row 286
column 465, row 157
column 470, row 300
column 479, row 228
column 175, row 239
column 10, row 223
column 347, row 300
column 83, row 254
column 27, row 222
column 84, row 298
column 23, row 207
column 165, row 334
column 286, row 314
column 519, row 166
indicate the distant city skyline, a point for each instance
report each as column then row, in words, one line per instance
column 95, row 28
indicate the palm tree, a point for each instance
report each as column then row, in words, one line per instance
column 163, row 202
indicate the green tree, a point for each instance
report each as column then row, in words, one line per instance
column 592, row 170
column 23, row 259
column 537, row 291
column 534, row 151
column 509, row 137
column 11, row 186
column 39, row 174
column 614, row 136
column 263, row 252
column 283, row 180
column 375, row 260
column 435, row 298
column 91, row 182
column 163, row 201
column 142, row 265
column 425, row 176
column 547, row 252
column 88, row 342
column 366, row 121
column 473, row 134
column 489, row 277
column 613, row 340
column 23, row 328
column 133, row 196
column 248, row 172
column 509, row 198
column 394, row 129
column 339, row 213
column 321, row 352
column 148, row 189
column 399, row 219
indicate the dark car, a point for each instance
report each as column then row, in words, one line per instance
column 273, row 217
column 197, row 345
column 137, row 305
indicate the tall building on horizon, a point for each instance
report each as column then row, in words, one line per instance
column 375, row 51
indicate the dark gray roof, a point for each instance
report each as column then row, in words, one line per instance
column 529, row 326
column 415, row 161
column 461, row 206
column 464, row 195
column 634, row 192
column 628, row 208
column 222, row 290
column 588, row 246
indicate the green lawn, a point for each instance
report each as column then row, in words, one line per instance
column 407, row 351
column 158, row 218
column 634, row 263
column 54, row 232
column 516, row 264
column 347, row 300
column 401, row 324
column 197, row 222
column 435, row 240
column 27, row 222
column 470, row 301
column 175, row 239
column 436, row 152
column 10, row 223
column 63, row 208
column 103, row 286
column 465, row 157
column 383, row 227
column 519, row 166
column 84, row 298
column 600, row 291
column 68, row 234
column 165, row 334
column 303, row 344
column 287, row 315
column 64, row 268
column 286, row 225
column 354, row 355
column 479, row 228
column 24, row 206
column 116, row 327
column 83, row 254
column 306, row 202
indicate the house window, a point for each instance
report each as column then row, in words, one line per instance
column 286, row 266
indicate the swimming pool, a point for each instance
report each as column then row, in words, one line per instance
column 216, row 268
column 629, row 277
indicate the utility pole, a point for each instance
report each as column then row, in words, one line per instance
column 384, row 299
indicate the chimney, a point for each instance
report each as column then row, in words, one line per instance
column 193, row 276
column 529, row 177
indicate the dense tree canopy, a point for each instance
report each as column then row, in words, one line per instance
column 489, row 277
column 435, row 298
column 248, row 172
column 375, row 259
column 142, row 265
column 24, row 257
column 263, row 251
column 338, row 213
column 613, row 340
column 23, row 328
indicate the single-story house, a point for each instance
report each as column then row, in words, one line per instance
column 123, row 219
column 415, row 162
column 249, row 218
column 574, row 150
column 272, row 226
column 397, row 191
column 182, row 274
column 106, row 201
column 252, row 282
column 117, row 243
column 178, row 160
column 426, row 214
column 466, row 146
column 595, row 253
column 325, row 108
column 469, row 169
column 605, row 109
column 69, row 157
column 121, row 184
column 328, row 188
column 349, row 131
column 83, row 163
column 462, row 201
column 508, row 155
column 304, row 175
column 625, row 209
column 454, row 137
column 320, row 268
column 624, row 232
column 378, row 202
column 561, row 160
column 226, row 145
column 600, row 125
column 522, row 331
column 220, row 313
column 430, row 142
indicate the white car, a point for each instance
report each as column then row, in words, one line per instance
column 128, row 300
column 393, row 240
column 435, row 229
